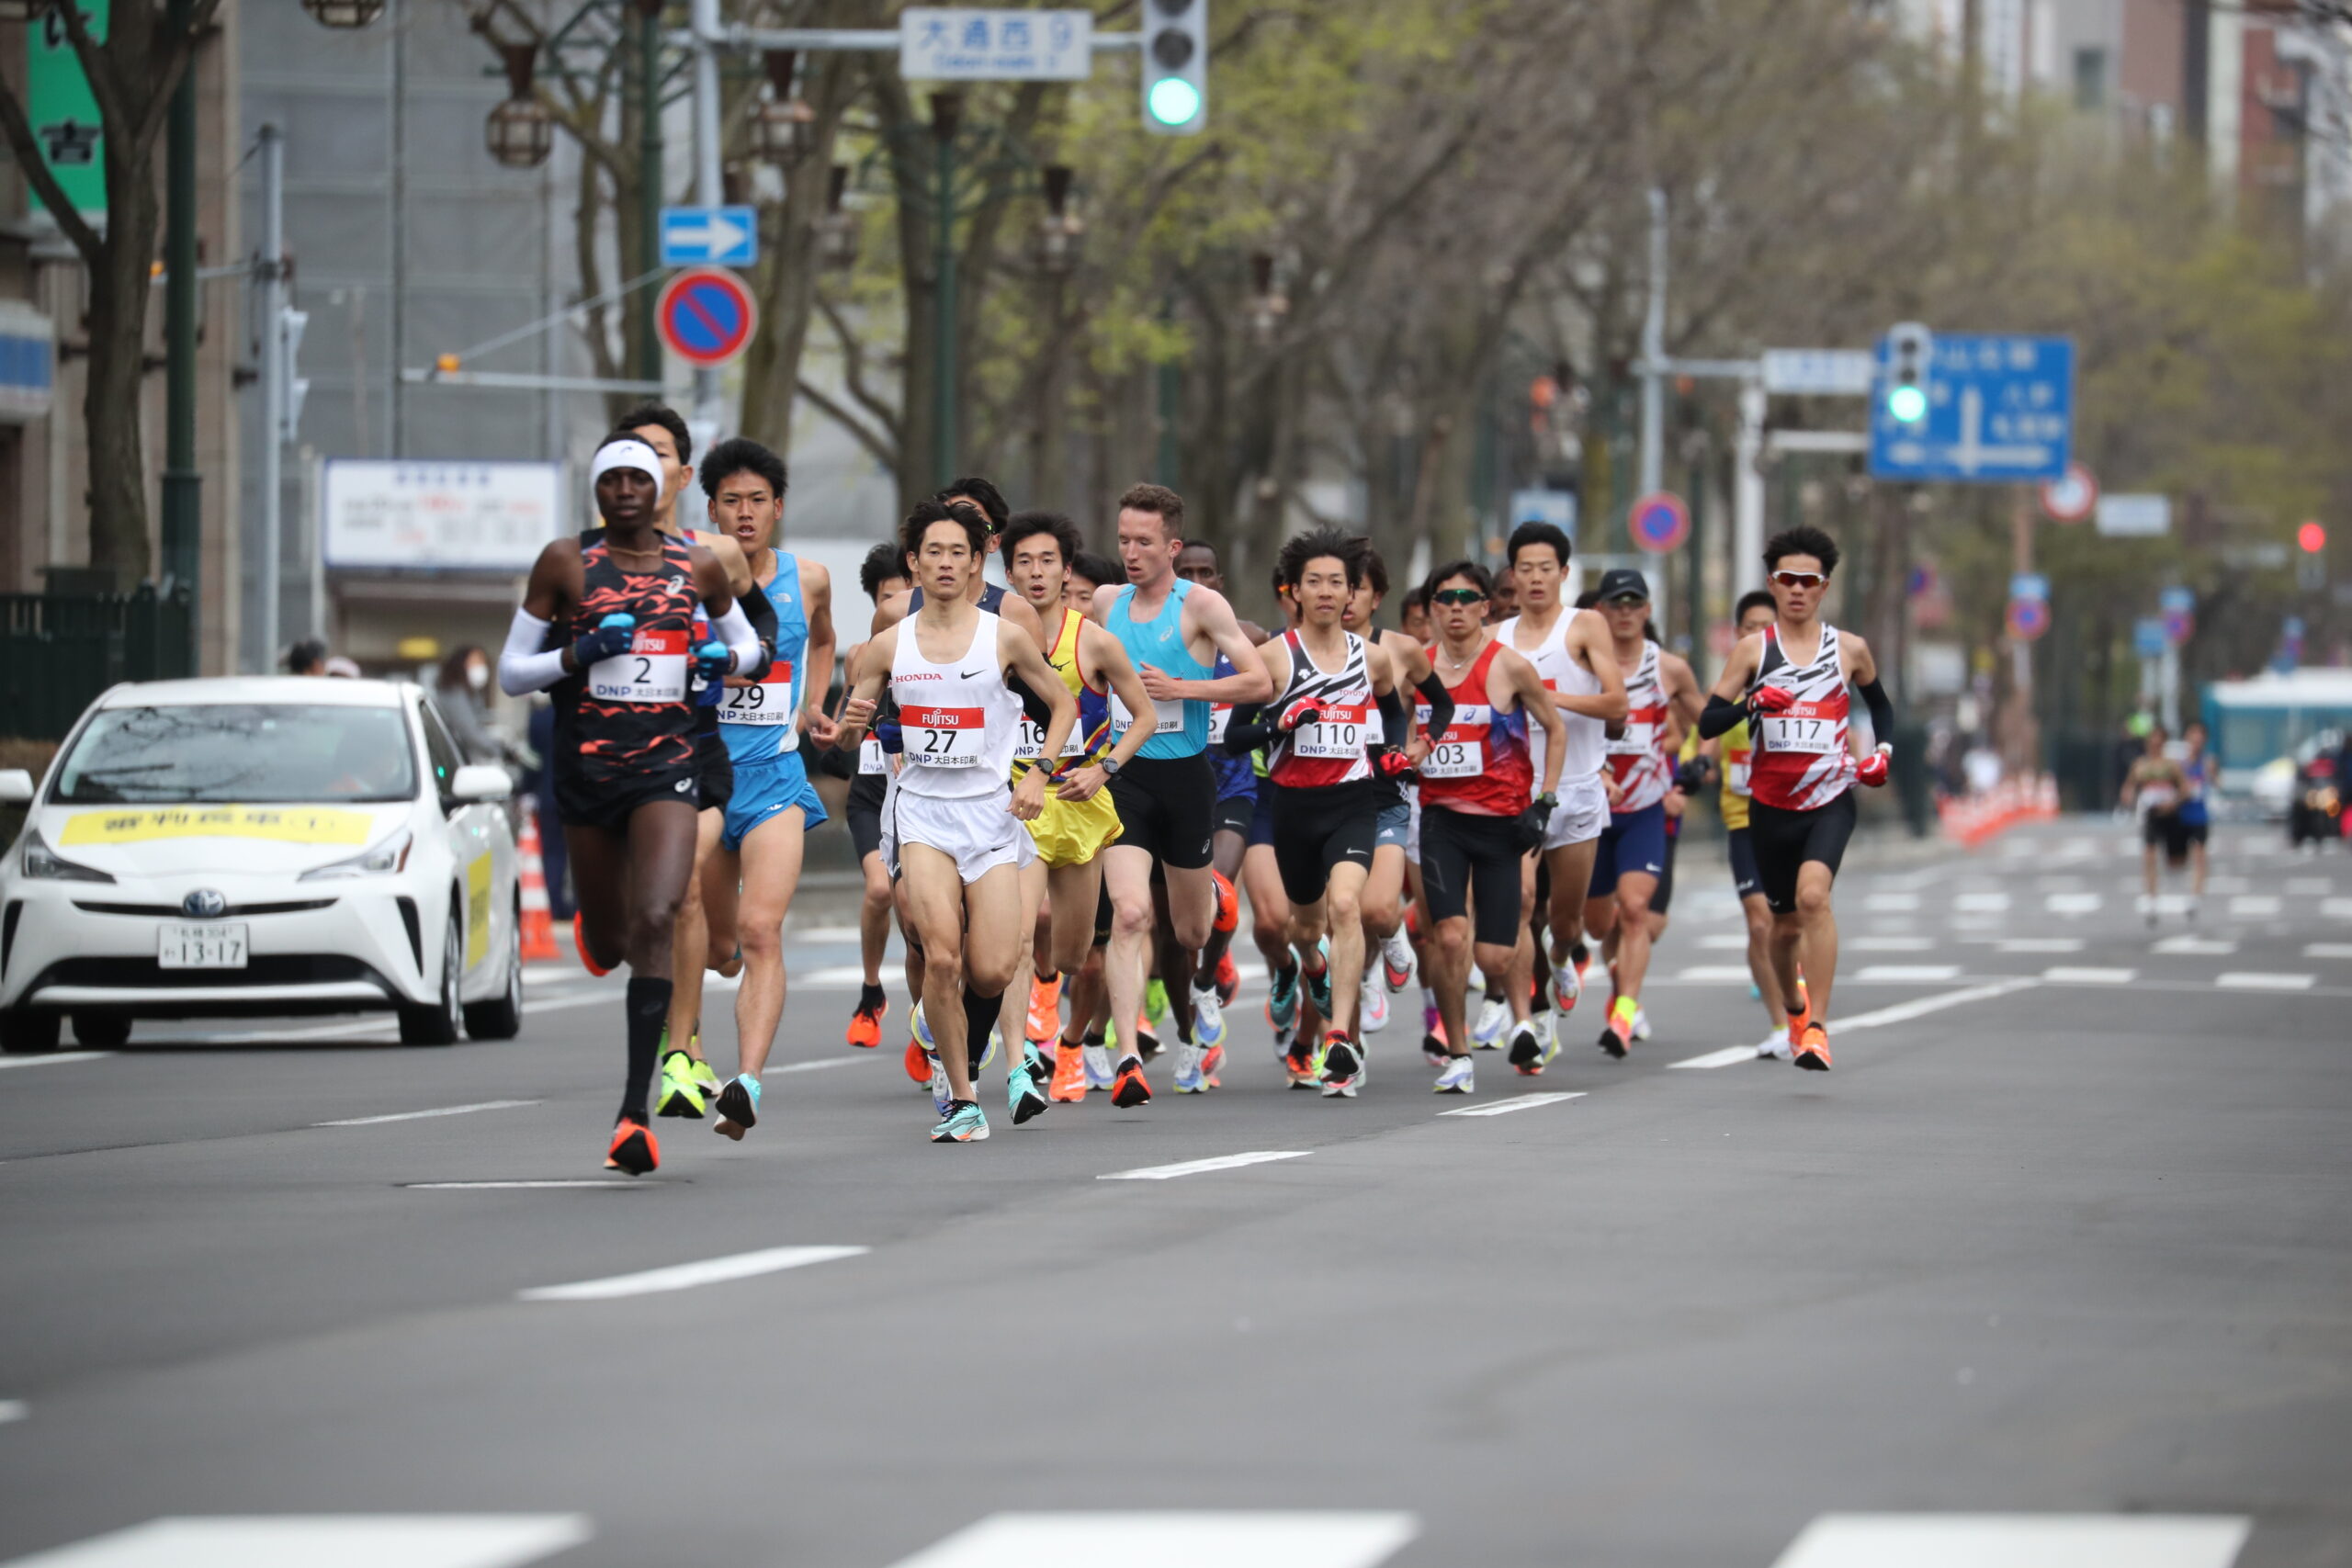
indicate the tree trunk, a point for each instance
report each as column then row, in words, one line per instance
column 787, row 279
column 119, row 288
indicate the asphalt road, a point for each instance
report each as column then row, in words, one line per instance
column 2068, row 1230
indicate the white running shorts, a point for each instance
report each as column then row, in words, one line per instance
column 1582, row 813
column 978, row 835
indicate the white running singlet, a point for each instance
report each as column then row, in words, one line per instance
column 959, row 719
column 1561, row 672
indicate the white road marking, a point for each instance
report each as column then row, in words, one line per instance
column 2337, row 909
column 1889, row 944
column 828, row 934
column 1977, row 922
column 1196, row 1167
column 602, row 1183
column 2254, row 904
column 2073, row 903
column 1516, row 1102
column 2255, row 980
column 305, row 1540
column 2067, row 974
column 2078, row 849
column 823, row 1063
column 1981, row 902
column 551, row 971
column 2195, row 947
column 2328, row 950
column 52, row 1059
column 422, row 1116
column 686, row 1275
column 1909, row 972
column 1725, row 941
column 1106, row 1539
column 1904, row 1012
column 13, row 1410
column 1730, row 1056
column 1715, row 974
column 1890, row 903
column 2219, row 884
column 2039, row 945
column 2309, row 886
column 2018, row 1540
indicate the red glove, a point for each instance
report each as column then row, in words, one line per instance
column 1307, row 710
column 1873, row 769
column 1392, row 764
column 1773, row 699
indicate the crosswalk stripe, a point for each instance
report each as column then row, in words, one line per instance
column 1516, row 1102
column 2252, row 904
column 2018, row 1540
column 1714, row 974
column 686, row 1275
column 2039, row 945
column 2070, row 975
column 1199, row 1167
column 304, row 1540
column 2195, row 947
column 1908, row 972
column 1152, row 1540
column 2253, row 980
column 2328, row 950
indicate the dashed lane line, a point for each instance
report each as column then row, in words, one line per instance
column 2077, row 974
column 1201, row 1166
column 1890, row 903
column 2039, row 1541
column 1890, row 945
column 2194, row 947
column 55, row 1058
column 1981, row 902
column 2328, row 950
column 2038, row 944
column 686, row 1275
column 1516, row 1102
column 2073, row 903
column 600, row 1184
column 2309, row 886
column 2253, row 905
column 2337, row 909
column 1902, row 1012
column 2255, row 980
column 425, row 1115
column 1729, row 1056
column 13, row 1410
column 1090, row 1539
column 1908, row 972
column 348, row 1540
column 1714, row 974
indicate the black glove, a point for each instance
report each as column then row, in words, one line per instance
column 1692, row 775
column 612, row 637
column 1529, row 825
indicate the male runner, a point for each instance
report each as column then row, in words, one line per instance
column 748, row 882
column 1080, row 817
column 1080, row 582
column 948, row 833
column 606, row 623
column 883, row 574
column 1789, row 682
column 2154, row 788
column 1336, row 703
column 1173, row 631
column 1732, row 753
column 1413, row 616
column 1570, row 650
column 1216, row 980
column 2192, row 823
column 1629, row 859
column 1481, row 813
column 1268, row 909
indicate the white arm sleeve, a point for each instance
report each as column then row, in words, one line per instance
column 522, row 667
column 734, row 629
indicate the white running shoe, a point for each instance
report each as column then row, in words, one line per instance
column 1096, row 1060
column 1640, row 1024
column 1493, row 1017
column 1208, row 1017
column 1777, row 1045
column 1374, row 1000
column 1457, row 1079
column 939, row 1097
column 1567, row 986
column 1190, row 1080
column 1397, row 959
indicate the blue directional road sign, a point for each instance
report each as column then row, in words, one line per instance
column 709, row 236
column 2000, row 410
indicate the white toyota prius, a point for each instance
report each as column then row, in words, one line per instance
column 218, row 848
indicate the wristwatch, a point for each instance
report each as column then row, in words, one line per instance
column 1110, row 766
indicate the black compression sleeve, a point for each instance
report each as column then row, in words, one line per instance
column 1247, row 729
column 1719, row 717
column 760, row 610
column 1392, row 717
column 1441, row 701
column 1882, row 711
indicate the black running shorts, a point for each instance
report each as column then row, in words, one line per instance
column 1784, row 840
column 1743, row 865
column 1167, row 806
column 1664, row 897
column 714, row 768
column 610, row 805
column 1315, row 829
column 1234, row 814
column 1472, row 863
column 863, row 810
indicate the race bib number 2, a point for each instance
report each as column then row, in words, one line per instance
column 943, row 738
column 653, row 670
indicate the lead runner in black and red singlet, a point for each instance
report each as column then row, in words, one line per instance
column 606, row 626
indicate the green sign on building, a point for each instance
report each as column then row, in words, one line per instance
column 64, row 112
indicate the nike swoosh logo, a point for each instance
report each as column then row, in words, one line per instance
column 971, row 674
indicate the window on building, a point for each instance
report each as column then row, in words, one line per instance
column 2090, row 78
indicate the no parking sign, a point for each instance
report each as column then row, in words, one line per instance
column 1659, row 522
column 706, row 316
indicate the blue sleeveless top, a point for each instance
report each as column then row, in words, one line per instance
column 1182, row 726
column 755, row 721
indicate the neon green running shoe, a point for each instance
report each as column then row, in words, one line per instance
column 1155, row 1003
column 679, row 1096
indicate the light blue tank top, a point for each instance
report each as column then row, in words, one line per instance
column 1182, row 726
column 755, row 721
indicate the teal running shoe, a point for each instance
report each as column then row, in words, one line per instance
column 1025, row 1087
column 1281, row 998
column 739, row 1107
column 1319, row 987
column 963, row 1123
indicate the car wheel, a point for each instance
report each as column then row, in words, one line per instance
column 101, row 1030
column 501, row 1018
column 24, row 1033
column 438, row 1024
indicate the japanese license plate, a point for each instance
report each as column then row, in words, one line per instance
column 213, row 944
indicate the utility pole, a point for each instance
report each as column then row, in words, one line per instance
column 1654, row 354
column 183, row 485
column 273, row 380
column 2024, row 741
column 946, row 118
column 709, row 179
column 649, row 179
column 1748, row 491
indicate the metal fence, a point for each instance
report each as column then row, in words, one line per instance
column 59, row 651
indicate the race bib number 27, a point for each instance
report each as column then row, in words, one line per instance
column 943, row 738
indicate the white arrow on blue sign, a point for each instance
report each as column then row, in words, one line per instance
column 2000, row 410
column 709, row 236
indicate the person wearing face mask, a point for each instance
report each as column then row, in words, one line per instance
column 460, row 691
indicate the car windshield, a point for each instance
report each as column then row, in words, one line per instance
column 240, row 753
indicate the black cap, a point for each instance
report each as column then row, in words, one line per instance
column 1622, row 582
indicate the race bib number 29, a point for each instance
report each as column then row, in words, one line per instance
column 764, row 703
column 653, row 670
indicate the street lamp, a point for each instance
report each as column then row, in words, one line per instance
column 783, row 128
column 344, row 14
column 1268, row 303
column 1058, row 232
column 521, row 131
column 837, row 229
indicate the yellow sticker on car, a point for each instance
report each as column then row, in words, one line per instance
column 478, row 908
column 291, row 825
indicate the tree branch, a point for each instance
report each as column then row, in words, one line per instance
column 854, row 372
column 884, row 452
column 22, row 141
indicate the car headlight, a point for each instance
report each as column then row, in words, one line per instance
column 39, row 860
column 383, row 860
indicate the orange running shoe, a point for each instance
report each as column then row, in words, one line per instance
column 633, row 1149
column 1617, row 1039
column 918, row 1062
column 580, row 945
column 1229, row 978
column 1068, row 1084
column 1130, row 1091
column 1299, row 1062
column 1229, row 903
column 1045, row 1010
column 865, row 1028
column 1813, row 1049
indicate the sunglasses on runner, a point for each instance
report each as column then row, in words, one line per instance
column 1457, row 596
column 1800, row 579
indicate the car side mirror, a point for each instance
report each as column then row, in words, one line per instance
column 480, row 782
column 16, row 786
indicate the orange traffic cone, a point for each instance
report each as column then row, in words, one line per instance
column 538, row 928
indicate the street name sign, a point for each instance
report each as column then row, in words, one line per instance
column 709, row 236
column 942, row 45
column 2000, row 411
column 2135, row 516
column 1819, row 372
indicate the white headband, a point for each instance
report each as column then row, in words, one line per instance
column 625, row 455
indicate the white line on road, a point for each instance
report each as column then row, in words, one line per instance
column 1106, row 1539
column 2071, row 975
column 1729, row 1056
column 2309, row 886
column 1889, row 944
column 820, row 1065
column 686, row 1275
column 2328, row 950
column 2018, row 1540
column 1982, row 902
column 2073, row 903
column 2337, row 909
column 1715, row 974
column 1196, row 1167
column 2039, row 945
column 1890, row 903
column 601, row 1184
column 13, row 1410
column 422, row 1116
column 1908, row 972
column 2253, row 980
column 2194, row 947
column 1904, row 1012
column 1725, row 941
column 52, row 1059
column 348, row 1540
column 2254, row 904
column 1516, row 1102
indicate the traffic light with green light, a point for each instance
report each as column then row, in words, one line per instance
column 1910, row 353
column 1175, row 66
